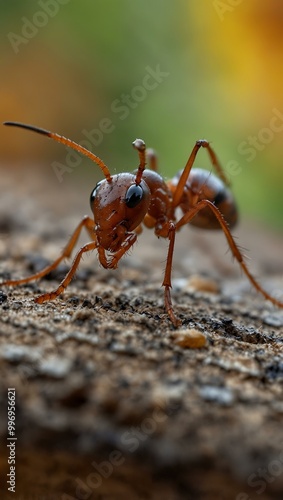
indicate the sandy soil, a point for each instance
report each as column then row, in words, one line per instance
column 111, row 402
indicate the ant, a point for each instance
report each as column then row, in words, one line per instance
column 121, row 203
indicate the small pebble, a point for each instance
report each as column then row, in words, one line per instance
column 221, row 395
column 54, row 366
column 191, row 338
column 202, row 284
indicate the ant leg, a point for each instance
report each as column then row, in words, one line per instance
column 188, row 167
column 235, row 250
column 167, row 276
column 69, row 276
column 152, row 159
column 215, row 162
column 86, row 222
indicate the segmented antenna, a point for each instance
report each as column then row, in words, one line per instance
column 67, row 142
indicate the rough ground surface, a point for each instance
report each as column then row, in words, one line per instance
column 108, row 404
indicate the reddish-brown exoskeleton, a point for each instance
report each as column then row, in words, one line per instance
column 122, row 202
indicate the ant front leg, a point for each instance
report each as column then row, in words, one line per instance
column 86, row 222
column 69, row 276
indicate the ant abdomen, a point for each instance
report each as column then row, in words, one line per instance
column 204, row 185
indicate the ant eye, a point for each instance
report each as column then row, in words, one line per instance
column 133, row 196
column 94, row 193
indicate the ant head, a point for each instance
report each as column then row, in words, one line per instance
column 118, row 206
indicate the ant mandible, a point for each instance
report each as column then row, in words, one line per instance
column 121, row 203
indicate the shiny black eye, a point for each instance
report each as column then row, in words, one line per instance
column 133, row 196
column 94, row 193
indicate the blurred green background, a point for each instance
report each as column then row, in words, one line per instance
column 168, row 71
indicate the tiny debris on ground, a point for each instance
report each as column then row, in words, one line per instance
column 111, row 401
column 190, row 338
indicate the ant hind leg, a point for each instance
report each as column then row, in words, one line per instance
column 231, row 242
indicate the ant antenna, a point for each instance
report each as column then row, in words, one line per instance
column 139, row 145
column 67, row 142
